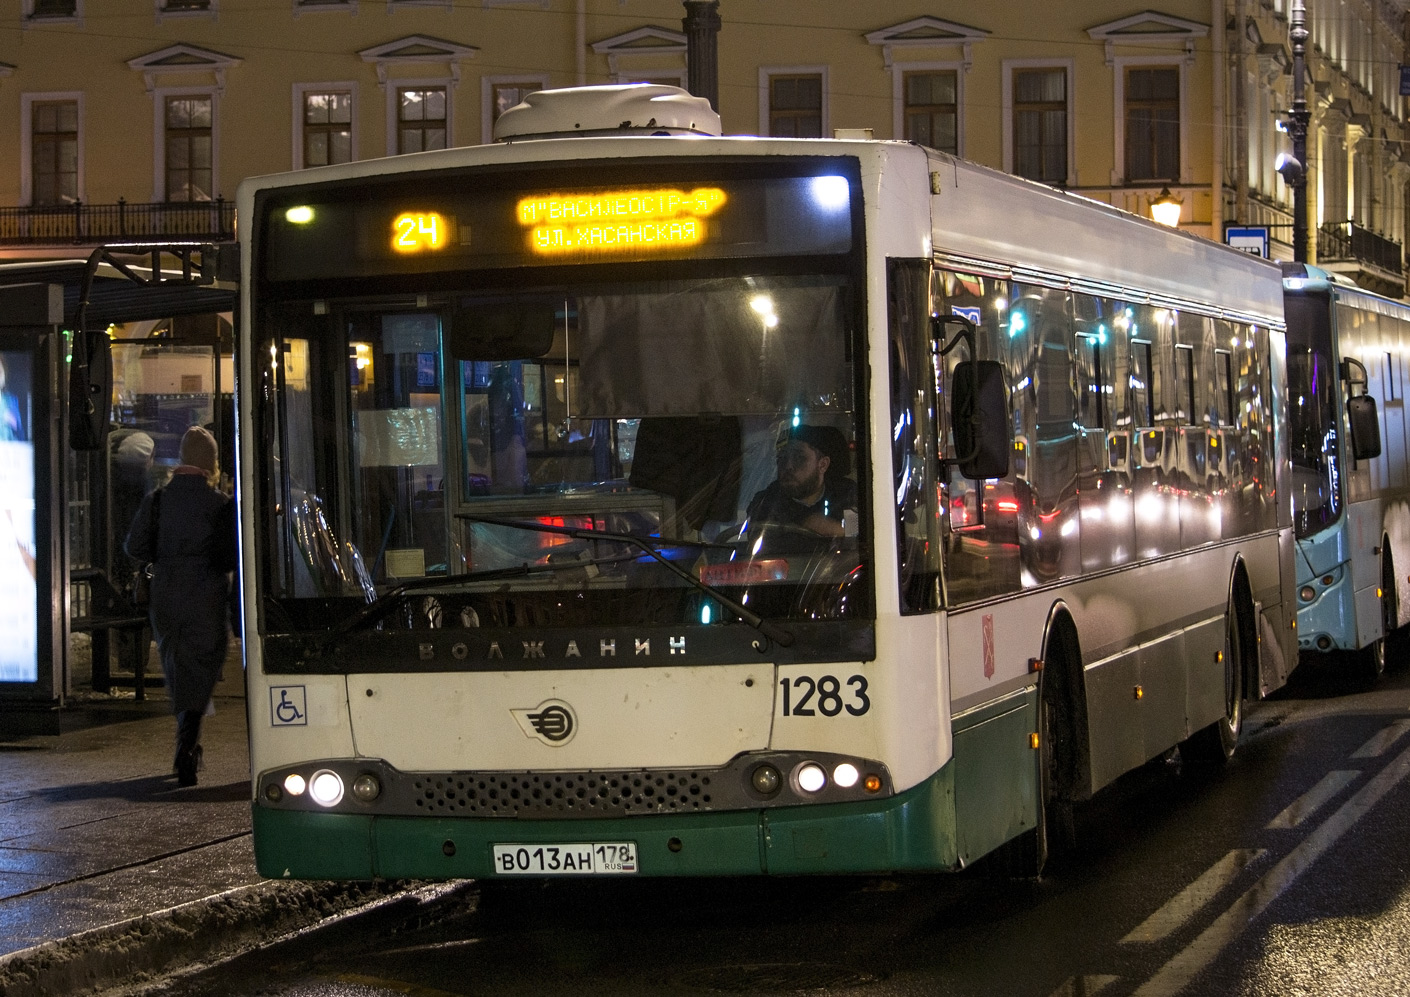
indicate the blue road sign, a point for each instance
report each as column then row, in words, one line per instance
column 1253, row 240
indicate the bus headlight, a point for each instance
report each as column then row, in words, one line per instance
column 326, row 788
column 366, row 787
column 766, row 780
column 846, row 775
column 810, row 777
column 1307, row 593
column 294, row 784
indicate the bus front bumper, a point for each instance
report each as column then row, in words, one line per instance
column 912, row 830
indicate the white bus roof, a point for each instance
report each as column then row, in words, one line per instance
column 978, row 215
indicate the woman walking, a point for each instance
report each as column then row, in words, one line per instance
column 186, row 530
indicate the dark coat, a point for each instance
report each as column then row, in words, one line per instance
column 192, row 549
column 772, row 506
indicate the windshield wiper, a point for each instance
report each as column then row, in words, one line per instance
column 651, row 546
column 377, row 608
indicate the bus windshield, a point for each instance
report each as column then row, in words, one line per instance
column 1312, row 413
column 497, row 436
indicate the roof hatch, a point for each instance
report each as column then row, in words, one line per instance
column 621, row 109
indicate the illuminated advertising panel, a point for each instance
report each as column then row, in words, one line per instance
column 19, row 659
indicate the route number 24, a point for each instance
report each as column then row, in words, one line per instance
column 806, row 696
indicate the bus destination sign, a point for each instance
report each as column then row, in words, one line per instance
column 611, row 220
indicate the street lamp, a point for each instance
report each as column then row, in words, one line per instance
column 1294, row 168
column 1165, row 209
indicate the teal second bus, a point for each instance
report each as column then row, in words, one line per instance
column 518, row 601
column 1351, row 483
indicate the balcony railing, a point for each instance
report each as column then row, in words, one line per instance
column 79, row 224
column 1349, row 242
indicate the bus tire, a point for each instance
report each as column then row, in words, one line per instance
column 1059, row 760
column 1215, row 744
column 1372, row 659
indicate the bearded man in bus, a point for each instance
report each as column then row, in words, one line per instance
column 812, row 490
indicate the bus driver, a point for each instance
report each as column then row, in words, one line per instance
column 812, row 489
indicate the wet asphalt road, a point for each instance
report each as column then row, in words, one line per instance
column 1286, row 873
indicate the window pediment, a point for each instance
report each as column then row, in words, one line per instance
column 418, row 49
column 925, row 31
column 647, row 40
column 1149, row 27
column 183, row 58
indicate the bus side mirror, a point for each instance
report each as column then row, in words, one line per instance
column 1360, row 411
column 1365, row 427
column 979, row 419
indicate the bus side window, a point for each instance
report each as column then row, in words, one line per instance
column 1223, row 388
column 915, row 442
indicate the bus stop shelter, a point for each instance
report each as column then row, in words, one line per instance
column 164, row 315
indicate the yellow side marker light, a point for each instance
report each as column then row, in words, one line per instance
column 1138, row 692
column 872, row 783
column 1033, row 741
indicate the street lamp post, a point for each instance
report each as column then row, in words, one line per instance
column 702, row 29
column 1295, row 173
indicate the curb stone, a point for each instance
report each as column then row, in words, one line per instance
column 200, row 932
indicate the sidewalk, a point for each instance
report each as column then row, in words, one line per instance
column 109, row 871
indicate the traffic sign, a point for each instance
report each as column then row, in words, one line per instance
column 1252, row 240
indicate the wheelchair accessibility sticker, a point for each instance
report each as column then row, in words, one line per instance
column 287, row 706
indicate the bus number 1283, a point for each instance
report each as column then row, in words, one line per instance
column 805, row 696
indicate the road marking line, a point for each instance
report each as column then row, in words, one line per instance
column 1309, row 802
column 1382, row 740
column 1181, row 907
column 1084, row 986
column 1177, row 974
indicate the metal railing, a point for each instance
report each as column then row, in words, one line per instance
column 80, row 224
column 1347, row 241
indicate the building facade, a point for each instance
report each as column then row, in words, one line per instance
column 134, row 119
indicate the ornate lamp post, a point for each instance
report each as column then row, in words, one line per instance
column 702, row 28
column 1294, row 167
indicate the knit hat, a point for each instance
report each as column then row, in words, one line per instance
column 198, row 449
column 135, row 448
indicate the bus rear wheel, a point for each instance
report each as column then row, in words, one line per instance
column 1215, row 744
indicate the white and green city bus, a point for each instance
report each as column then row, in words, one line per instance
column 521, row 595
column 1351, row 481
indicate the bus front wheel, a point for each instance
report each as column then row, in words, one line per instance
column 1371, row 659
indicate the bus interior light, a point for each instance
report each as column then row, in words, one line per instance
column 831, row 193
column 301, row 214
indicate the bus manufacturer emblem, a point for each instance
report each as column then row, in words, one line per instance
column 553, row 722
